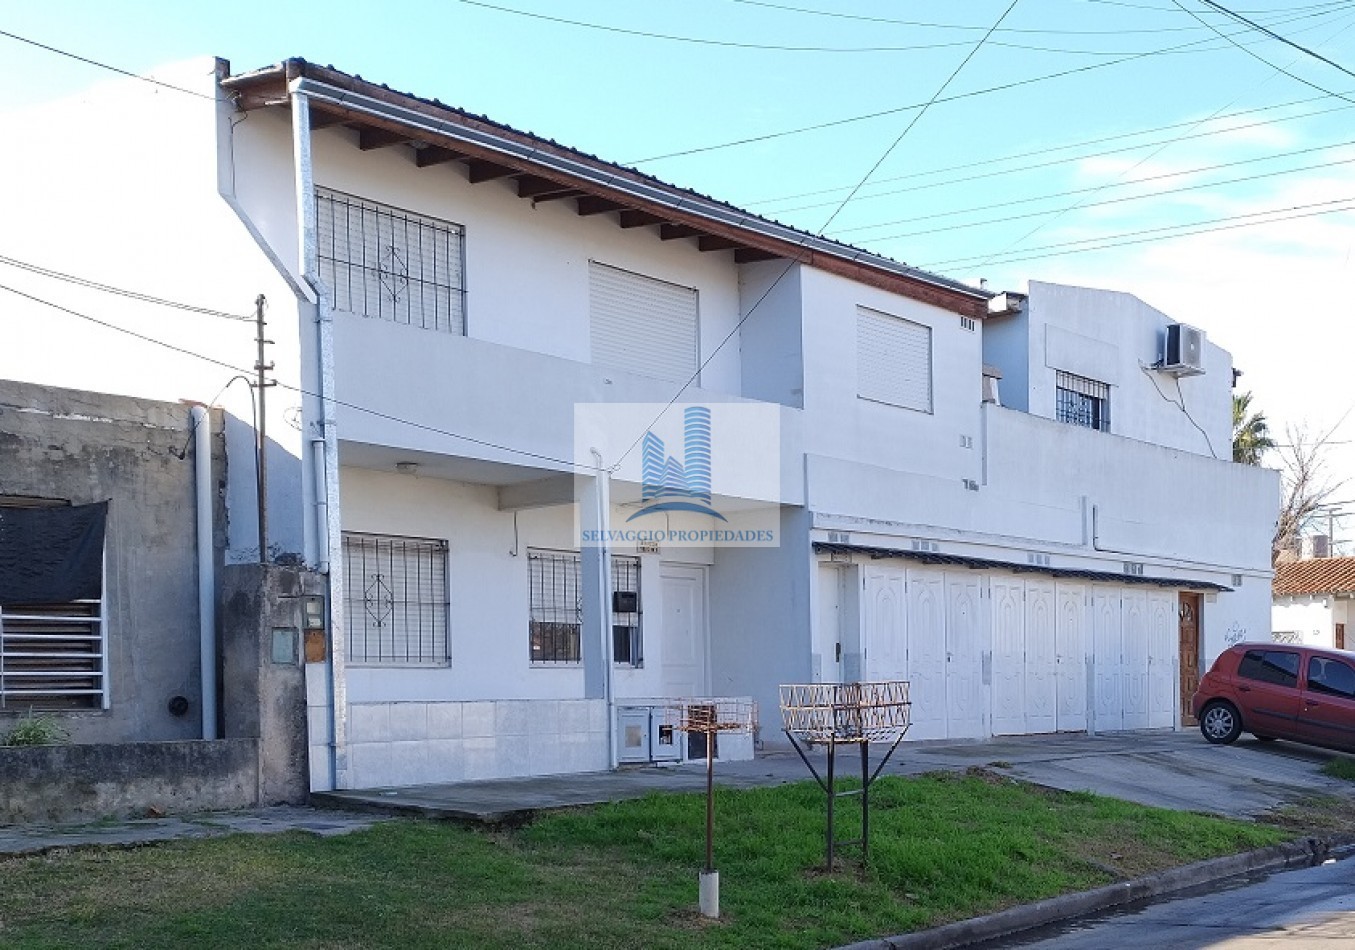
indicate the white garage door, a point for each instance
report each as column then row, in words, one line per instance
column 1039, row 656
column 1134, row 658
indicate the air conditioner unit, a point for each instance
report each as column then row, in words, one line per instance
column 1183, row 350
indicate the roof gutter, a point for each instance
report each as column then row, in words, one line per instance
column 322, row 92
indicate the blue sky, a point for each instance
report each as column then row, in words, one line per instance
column 1164, row 125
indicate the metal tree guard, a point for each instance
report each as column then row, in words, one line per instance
column 834, row 714
column 710, row 717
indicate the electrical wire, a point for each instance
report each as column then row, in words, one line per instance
column 978, row 28
column 115, row 69
column 1148, row 371
column 1114, row 201
column 984, row 163
column 1201, row 227
column 122, row 292
column 799, row 253
column 834, row 123
column 1260, row 58
column 1275, row 36
column 293, row 388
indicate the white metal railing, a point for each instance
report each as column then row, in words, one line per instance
column 53, row 657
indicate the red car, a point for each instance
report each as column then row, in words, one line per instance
column 1275, row 691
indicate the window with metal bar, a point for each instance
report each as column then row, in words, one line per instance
column 52, row 656
column 1082, row 402
column 396, row 593
column 627, row 640
column 556, row 607
column 384, row 262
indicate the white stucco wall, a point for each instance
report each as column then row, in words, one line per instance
column 1312, row 618
column 1114, row 338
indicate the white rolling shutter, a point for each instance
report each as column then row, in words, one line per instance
column 642, row 325
column 893, row 360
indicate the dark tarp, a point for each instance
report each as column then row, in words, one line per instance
column 51, row 555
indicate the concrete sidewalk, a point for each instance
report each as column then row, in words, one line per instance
column 1177, row 770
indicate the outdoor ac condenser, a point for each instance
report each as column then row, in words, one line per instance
column 1183, row 350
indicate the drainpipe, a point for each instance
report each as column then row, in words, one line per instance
column 202, row 484
column 329, row 536
column 604, row 519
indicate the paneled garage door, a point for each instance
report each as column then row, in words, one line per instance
column 988, row 653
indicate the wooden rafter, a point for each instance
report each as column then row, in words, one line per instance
column 481, row 170
column 370, row 138
column 592, row 204
column 671, row 232
column 711, row 242
column 634, row 218
column 750, row 255
column 435, row 155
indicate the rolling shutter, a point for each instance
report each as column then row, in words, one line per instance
column 893, row 360
column 642, row 325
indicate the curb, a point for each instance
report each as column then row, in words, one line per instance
column 1304, row 852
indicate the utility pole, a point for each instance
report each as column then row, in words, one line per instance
column 261, row 384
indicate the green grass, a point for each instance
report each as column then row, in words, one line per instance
column 1340, row 768
column 623, row 875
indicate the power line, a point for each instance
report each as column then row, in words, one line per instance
column 115, row 69
column 1260, row 58
column 1273, row 35
column 834, row 123
column 793, row 261
column 122, row 292
column 1114, row 201
column 1157, row 151
column 983, row 163
column 1201, row 227
column 288, row 386
column 974, row 28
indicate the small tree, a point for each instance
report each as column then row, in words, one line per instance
column 1251, row 433
column 1305, row 488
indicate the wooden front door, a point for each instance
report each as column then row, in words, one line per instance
column 1189, row 612
column 1340, row 636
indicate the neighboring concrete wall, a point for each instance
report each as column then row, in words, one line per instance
column 87, row 447
column 264, row 690
column 88, row 782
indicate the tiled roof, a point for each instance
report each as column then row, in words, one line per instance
column 1319, row 575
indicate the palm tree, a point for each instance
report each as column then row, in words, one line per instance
column 1251, row 434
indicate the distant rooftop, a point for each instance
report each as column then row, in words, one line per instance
column 1319, row 575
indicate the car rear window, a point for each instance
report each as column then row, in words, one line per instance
column 1330, row 676
column 1270, row 666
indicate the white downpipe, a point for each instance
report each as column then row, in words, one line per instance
column 331, row 531
column 321, row 506
column 604, row 501
column 202, row 486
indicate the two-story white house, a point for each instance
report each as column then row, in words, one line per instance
column 1013, row 502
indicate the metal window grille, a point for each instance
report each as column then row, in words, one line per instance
column 1082, row 402
column 53, row 657
column 396, row 592
column 556, row 604
column 383, row 262
column 627, row 641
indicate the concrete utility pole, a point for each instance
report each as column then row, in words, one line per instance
column 261, row 384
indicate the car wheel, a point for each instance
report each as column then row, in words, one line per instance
column 1220, row 722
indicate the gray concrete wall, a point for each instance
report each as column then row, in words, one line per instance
column 87, row 447
column 88, row 782
column 265, row 691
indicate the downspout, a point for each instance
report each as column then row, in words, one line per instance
column 329, row 535
column 604, row 495
column 202, row 485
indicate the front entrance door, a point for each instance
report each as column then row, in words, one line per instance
column 1340, row 636
column 1190, row 652
column 684, row 632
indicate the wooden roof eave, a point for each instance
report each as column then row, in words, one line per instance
column 272, row 87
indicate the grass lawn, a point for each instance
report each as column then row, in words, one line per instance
column 624, row 875
column 1340, row 767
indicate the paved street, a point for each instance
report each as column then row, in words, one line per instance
column 1312, row 907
